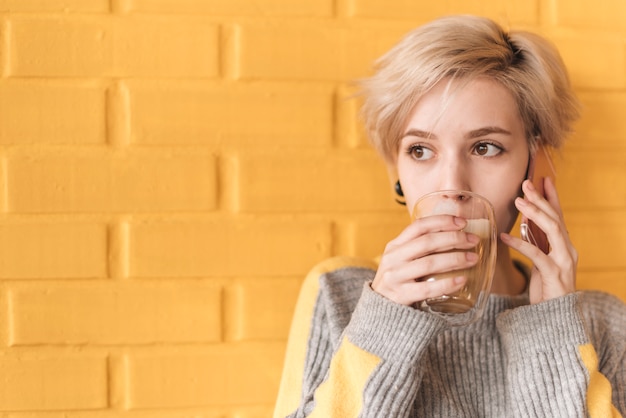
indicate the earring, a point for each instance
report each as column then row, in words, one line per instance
column 400, row 193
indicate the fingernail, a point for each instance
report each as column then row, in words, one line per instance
column 469, row 256
column 519, row 201
column 473, row 238
column 530, row 186
column 460, row 221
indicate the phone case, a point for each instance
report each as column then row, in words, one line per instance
column 540, row 167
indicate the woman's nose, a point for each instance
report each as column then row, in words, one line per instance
column 460, row 195
column 454, row 176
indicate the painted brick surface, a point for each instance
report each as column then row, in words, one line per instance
column 311, row 51
column 197, row 112
column 324, row 182
column 596, row 60
column 63, row 382
column 581, row 190
column 101, row 181
column 103, row 46
column 608, row 14
column 304, row 8
column 526, row 12
column 49, row 250
column 603, row 121
column 588, row 230
column 260, row 310
column 610, row 282
column 171, row 169
column 227, row 247
column 367, row 237
column 155, row 378
column 35, row 112
column 38, row 6
column 110, row 314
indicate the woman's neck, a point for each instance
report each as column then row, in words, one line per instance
column 508, row 279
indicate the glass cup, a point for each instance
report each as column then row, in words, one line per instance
column 466, row 305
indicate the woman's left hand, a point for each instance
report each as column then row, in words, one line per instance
column 553, row 274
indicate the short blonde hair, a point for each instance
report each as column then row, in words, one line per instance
column 463, row 48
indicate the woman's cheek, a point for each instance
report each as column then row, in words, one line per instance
column 506, row 216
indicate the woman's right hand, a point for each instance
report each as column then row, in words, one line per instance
column 426, row 247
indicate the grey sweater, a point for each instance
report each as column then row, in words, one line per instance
column 366, row 356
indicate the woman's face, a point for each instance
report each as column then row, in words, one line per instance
column 471, row 138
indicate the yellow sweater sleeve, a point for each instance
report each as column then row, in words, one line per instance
column 599, row 390
column 290, row 390
column 341, row 395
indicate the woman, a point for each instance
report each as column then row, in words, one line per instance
column 460, row 104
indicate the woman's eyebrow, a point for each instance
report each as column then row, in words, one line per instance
column 486, row 131
column 420, row 134
column 476, row 133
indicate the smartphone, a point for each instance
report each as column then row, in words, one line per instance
column 540, row 167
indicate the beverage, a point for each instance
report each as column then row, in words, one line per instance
column 465, row 299
column 467, row 304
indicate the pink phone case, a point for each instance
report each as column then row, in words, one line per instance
column 539, row 168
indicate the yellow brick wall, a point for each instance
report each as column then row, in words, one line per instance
column 170, row 169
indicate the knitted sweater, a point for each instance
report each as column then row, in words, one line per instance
column 354, row 353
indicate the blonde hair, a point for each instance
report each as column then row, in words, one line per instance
column 463, row 48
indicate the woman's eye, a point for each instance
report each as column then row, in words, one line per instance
column 419, row 152
column 486, row 149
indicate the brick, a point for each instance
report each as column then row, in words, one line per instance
column 4, row 53
column 349, row 130
column 112, row 313
column 213, row 412
column 313, row 181
column 52, row 113
column 3, row 184
column 113, row 47
column 260, row 309
column 602, row 123
column 227, row 247
column 364, row 44
column 594, row 60
column 311, row 51
column 368, row 238
column 54, row 6
column 605, row 15
column 61, row 249
column 171, row 181
column 599, row 185
column 598, row 236
column 306, row 8
column 261, row 114
column 510, row 10
column 5, row 321
column 161, row 180
column 48, row 382
column 224, row 374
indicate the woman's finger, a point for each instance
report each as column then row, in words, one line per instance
column 436, row 242
column 435, row 288
column 540, row 260
column 531, row 195
column 552, row 196
column 419, row 227
column 553, row 226
column 426, row 267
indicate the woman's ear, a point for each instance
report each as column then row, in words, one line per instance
column 394, row 181
column 399, row 193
